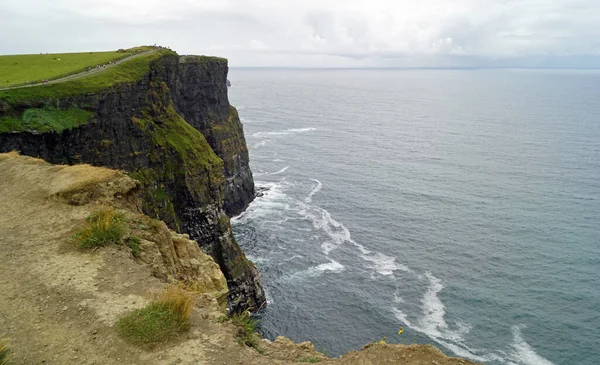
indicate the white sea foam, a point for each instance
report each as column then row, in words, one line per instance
column 315, row 190
column 273, row 198
column 268, row 297
column 332, row 266
column 322, row 220
column 384, row 265
column 260, row 144
column 280, row 171
column 457, row 348
column 282, row 132
column 432, row 322
column 522, row 352
column 257, row 260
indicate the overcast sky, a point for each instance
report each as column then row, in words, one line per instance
column 318, row 33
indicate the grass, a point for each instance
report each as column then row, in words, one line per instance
column 103, row 228
column 127, row 72
column 4, row 351
column 164, row 318
column 134, row 243
column 21, row 69
column 45, row 120
column 246, row 329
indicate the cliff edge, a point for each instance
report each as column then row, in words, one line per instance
column 60, row 304
column 166, row 120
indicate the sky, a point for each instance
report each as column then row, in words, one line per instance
column 318, row 33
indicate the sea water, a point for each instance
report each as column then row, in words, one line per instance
column 461, row 205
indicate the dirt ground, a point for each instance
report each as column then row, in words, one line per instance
column 58, row 304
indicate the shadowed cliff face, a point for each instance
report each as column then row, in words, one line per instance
column 201, row 98
column 188, row 181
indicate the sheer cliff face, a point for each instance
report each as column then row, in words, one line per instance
column 175, row 131
column 201, row 98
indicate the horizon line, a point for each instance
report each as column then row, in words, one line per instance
column 419, row 68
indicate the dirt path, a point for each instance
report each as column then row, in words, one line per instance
column 84, row 73
column 58, row 305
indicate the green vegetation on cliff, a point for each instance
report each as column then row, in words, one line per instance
column 4, row 352
column 21, row 69
column 104, row 227
column 160, row 320
column 186, row 157
column 45, row 120
column 127, row 72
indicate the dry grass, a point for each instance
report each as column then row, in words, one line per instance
column 57, row 179
column 178, row 301
column 103, row 228
column 79, row 177
column 4, row 351
column 165, row 317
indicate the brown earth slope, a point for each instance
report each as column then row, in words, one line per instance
column 58, row 304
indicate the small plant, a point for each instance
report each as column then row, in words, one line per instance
column 4, row 351
column 310, row 360
column 166, row 316
column 104, row 227
column 134, row 242
column 246, row 329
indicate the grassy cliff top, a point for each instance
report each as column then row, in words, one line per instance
column 129, row 70
column 23, row 69
column 201, row 59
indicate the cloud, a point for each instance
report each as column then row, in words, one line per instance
column 313, row 32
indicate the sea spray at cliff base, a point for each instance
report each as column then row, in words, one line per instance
column 442, row 209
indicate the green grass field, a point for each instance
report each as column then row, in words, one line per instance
column 20, row 69
column 129, row 71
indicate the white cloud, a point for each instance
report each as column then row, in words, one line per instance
column 327, row 32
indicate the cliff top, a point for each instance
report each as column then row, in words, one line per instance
column 201, row 59
column 129, row 70
column 31, row 69
column 60, row 304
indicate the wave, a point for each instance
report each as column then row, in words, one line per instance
column 279, row 172
column 522, row 352
column 272, row 199
column 283, row 132
column 260, row 144
column 332, row 266
column 383, row 264
column 315, row 190
column 433, row 324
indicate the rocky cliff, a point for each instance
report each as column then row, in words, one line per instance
column 169, row 124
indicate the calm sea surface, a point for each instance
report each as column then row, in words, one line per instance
column 461, row 205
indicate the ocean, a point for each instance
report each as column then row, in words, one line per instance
column 460, row 205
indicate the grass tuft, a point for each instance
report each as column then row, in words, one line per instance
column 104, row 227
column 246, row 329
column 5, row 352
column 165, row 317
column 134, row 242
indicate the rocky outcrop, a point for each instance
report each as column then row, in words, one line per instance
column 190, row 173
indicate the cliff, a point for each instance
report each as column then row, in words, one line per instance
column 61, row 305
column 166, row 120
